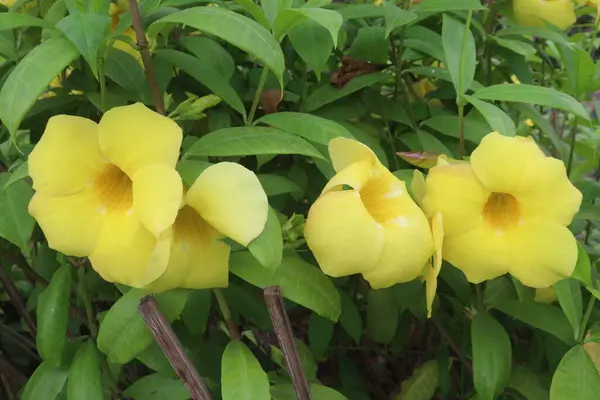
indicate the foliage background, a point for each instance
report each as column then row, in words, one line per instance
column 352, row 69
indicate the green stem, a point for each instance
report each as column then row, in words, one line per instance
column 234, row 332
column 259, row 89
column 304, row 93
column 572, row 149
column 462, row 52
column 461, row 139
column 102, row 80
column 586, row 317
column 87, row 302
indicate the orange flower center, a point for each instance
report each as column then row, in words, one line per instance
column 113, row 189
column 501, row 211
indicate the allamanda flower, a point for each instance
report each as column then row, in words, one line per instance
column 109, row 190
column 506, row 211
column 536, row 12
column 365, row 221
column 225, row 200
column 115, row 12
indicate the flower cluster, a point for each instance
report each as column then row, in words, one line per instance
column 109, row 191
column 504, row 211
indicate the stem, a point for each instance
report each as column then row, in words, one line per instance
column 142, row 43
column 461, row 90
column 589, row 227
column 479, row 293
column 13, row 294
column 259, row 89
column 448, row 339
column 572, row 149
column 102, row 80
column 586, row 317
column 234, row 332
column 87, row 302
column 304, row 93
column 461, row 118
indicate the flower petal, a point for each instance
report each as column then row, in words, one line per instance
column 342, row 235
column 355, row 175
column 157, row 195
column 71, row 224
column 128, row 253
column 499, row 161
column 408, row 245
column 67, row 157
column 534, row 12
column 418, row 187
column 455, row 191
column 133, row 137
column 433, row 271
column 344, row 152
column 231, row 199
column 546, row 192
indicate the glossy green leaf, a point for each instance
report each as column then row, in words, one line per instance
column 234, row 28
column 357, row 11
column 396, row 17
column 197, row 310
column 520, row 31
column 568, row 292
column 300, row 282
column 251, row 140
column 350, row 318
column 495, row 117
column 45, row 383
column 523, row 93
column 459, row 52
column 242, row 377
column 431, row 144
column 87, row 32
column 154, row 358
column 18, row 173
column 126, row 71
column 580, row 68
column 31, row 77
column 583, row 268
column 286, row 391
column 382, row 315
column 310, row 127
column 576, row 377
column 312, row 43
column 53, row 316
column 541, row 122
column 267, row 248
column 274, row 184
column 527, row 384
column 157, row 387
column 190, row 170
column 255, row 11
column 16, row 224
column 370, row 45
column 272, row 8
column 320, row 333
column 422, row 384
column 492, row 356
column 445, row 5
column 85, row 375
column 211, row 54
column 328, row 93
column 328, row 19
column 9, row 21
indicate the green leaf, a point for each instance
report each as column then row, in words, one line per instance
column 432, row 144
column 31, row 77
column 21, row 172
column 271, row 8
column 546, row 127
column 197, row 310
column 568, row 292
column 445, row 5
column 300, row 282
column 234, row 28
column 583, row 268
column 460, row 53
column 520, row 31
column 211, row 54
column 287, row 19
column 87, row 32
column 45, row 383
column 123, row 333
column 320, row 333
column 350, row 318
column 576, row 377
column 267, row 248
column 9, row 21
column 312, row 43
column 274, row 184
column 242, row 377
column 527, row 384
column 382, row 315
column 370, row 45
column 126, row 71
column 157, row 387
column 286, row 391
column 85, row 375
column 310, row 127
column 190, row 170
column 580, row 69
column 154, row 358
column 495, row 117
column 16, row 224
column 206, row 75
column 358, row 11
column 523, row 93
column 492, row 356
column 396, row 17
column 328, row 93
column 251, row 140
column 53, row 316
column 255, row 11
column 539, row 315
column 422, row 384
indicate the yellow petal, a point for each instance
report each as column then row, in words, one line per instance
column 355, row 175
column 343, row 236
column 433, row 271
column 133, row 137
column 407, row 247
column 546, row 192
column 534, row 12
column 128, row 253
column 157, row 195
column 499, row 161
column 455, row 191
column 545, row 295
column 538, row 253
column 231, row 199
column 198, row 259
column 71, row 223
column 344, row 152
column 67, row 157
column 418, row 187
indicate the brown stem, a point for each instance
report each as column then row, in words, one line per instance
column 172, row 348
column 283, row 330
column 142, row 43
column 18, row 379
column 452, row 345
column 19, row 340
column 17, row 302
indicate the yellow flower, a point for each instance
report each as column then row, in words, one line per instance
column 226, row 199
column 536, row 12
column 422, row 88
column 506, row 211
column 365, row 221
column 109, row 190
column 115, row 12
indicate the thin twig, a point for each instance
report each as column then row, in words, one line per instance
column 452, row 345
column 17, row 302
column 172, row 348
column 17, row 377
column 87, row 301
column 19, row 340
column 283, row 330
column 142, row 43
column 234, row 332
